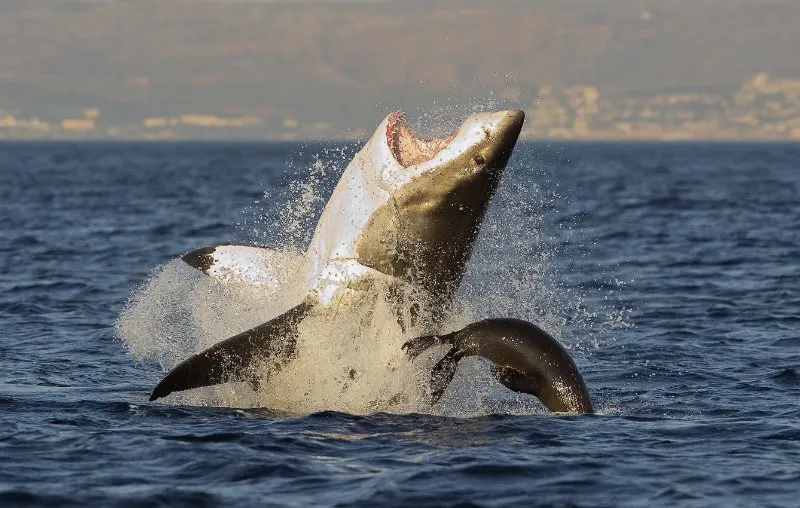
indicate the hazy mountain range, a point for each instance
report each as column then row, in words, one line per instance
column 335, row 68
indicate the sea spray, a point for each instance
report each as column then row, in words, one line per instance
column 351, row 360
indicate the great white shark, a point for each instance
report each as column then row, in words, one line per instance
column 403, row 217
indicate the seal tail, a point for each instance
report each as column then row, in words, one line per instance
column 236, row 358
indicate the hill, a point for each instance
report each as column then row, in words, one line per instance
column 308, row 69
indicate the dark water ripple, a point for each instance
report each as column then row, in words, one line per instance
column 700, row 397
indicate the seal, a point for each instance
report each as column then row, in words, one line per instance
column 404, row 216
column 525, row 359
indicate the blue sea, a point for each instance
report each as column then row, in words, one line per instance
column 670, row 271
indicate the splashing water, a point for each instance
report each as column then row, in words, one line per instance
column 351, row 360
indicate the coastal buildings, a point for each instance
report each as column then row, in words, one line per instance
column 764, row 107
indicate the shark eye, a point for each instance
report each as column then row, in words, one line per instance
column 479, row 160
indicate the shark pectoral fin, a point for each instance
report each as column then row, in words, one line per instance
column 236, row 358
column 515, row 380
column 443, row 372
column 202, row 258
column 242, row 263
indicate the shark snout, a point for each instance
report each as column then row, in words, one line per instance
column 505, row 126
column 501, row 130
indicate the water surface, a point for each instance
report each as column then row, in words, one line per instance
column 669, row 270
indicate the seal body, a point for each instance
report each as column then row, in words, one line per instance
column 525, row 359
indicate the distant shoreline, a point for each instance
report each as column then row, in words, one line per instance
column 531, row 140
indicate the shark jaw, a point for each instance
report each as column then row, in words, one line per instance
column 407, row 148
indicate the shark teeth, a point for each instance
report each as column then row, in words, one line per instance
column 406, row 147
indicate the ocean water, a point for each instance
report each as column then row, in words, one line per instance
column 670, row 271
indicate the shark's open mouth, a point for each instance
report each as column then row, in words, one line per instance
column 406, row 147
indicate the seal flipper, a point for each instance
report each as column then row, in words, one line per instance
column 443, row 372
column 419, row 345
column 234, row 359
column 515, row 380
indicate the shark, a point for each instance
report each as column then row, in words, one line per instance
column 403, row 218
